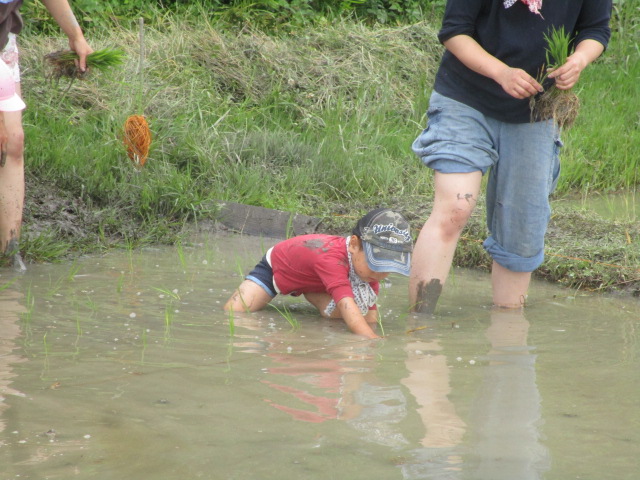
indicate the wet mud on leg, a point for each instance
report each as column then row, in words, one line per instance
column 427, row 296
column 12, row 250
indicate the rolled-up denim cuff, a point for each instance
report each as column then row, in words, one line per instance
column 511, row 261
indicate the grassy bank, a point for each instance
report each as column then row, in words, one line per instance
column 318, row 121
column 602, row 149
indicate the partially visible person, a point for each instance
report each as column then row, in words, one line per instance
column 480, row 122
column 12, row 187
column 338, row 275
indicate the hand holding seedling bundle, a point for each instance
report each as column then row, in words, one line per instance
column 558, row 101
column 64, row 62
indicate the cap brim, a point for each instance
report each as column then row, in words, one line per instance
column 12, row 104
column 387, row 261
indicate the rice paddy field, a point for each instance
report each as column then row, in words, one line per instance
column 116, row 360
column 123, row 365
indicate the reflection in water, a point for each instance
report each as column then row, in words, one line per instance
column 337, row 383
column 376, row 411
column 324, row 382
column 319, row 374
column 502, row 441
column 507, row 408
column 429, row 383
column 341, row 384
column 10, row 310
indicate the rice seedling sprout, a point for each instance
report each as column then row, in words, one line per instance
column 120, row 283
column 170, row 293
column 380, row 322
column 181, row 255
column 73, row 270
column 7, row 284
column 29, row 303
column 560, row 105
column 54, row 287
column 144, row 344
column 232, row 324
column 168, row 320
column 45, row 344
column 168, row 314
column 64, row 62
column 286, row 313
column 228, row 360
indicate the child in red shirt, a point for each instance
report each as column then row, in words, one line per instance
column 339, row 276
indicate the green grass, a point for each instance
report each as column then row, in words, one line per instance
column 282, row 122
column 268, row 130
column 558, row 47
column 601, row 150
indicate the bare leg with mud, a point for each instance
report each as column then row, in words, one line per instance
column 456, row 195
column 248, row 297
column 509, row 288
column 12, row 187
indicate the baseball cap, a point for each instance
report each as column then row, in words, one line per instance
column 386, row 240
column 9, row 99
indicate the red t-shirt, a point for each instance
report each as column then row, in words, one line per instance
column 313, row 263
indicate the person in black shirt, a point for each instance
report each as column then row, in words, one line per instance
column 479, row 122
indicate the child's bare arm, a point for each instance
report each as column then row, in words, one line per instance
column 515, row 81
column 356, row 322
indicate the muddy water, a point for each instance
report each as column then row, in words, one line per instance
column 623, row 206
column 123, row 367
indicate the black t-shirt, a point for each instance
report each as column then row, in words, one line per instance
column 515, row 36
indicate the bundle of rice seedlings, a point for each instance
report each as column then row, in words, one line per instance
column 137, row 139
column 137, row 134
column 63, row 62
column 561, row 105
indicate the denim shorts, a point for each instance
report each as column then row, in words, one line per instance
column 262, row 274
column 523, row 164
